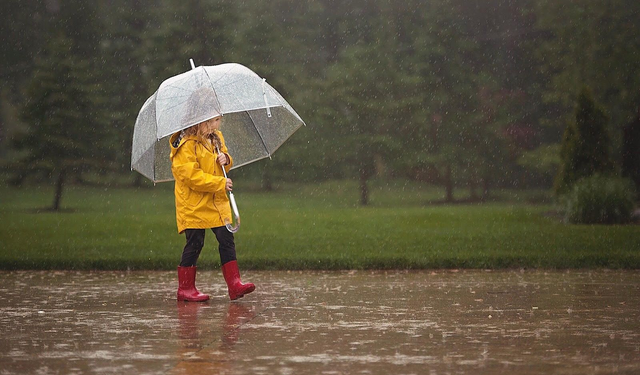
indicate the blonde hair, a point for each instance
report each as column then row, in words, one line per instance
column 199, row 130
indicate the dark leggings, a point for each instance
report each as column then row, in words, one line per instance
column 195, row 243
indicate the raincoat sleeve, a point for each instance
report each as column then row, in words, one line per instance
column 187, row 169
column 226, row 152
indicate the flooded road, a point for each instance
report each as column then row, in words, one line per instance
column 443, row 322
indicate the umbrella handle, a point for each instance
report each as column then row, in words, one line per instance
column 230, row 227
column 234, row 206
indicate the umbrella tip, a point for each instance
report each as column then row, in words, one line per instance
column 193, row 66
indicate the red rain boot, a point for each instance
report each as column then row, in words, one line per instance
column 232, row 276
column 187, row 285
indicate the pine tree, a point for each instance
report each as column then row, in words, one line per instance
column 123, row 77
column 445, row 137
column 65, row 132
column 631, row 151
column 178, row 31
column 586, row 144
column 364, row 85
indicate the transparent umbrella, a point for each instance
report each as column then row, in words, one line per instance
column 257, row 120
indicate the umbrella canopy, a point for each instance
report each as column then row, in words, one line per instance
column 256, row 118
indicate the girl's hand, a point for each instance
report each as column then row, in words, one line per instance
column 229, row 185
column 222, row 159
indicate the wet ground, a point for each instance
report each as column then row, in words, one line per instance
column 444, row 322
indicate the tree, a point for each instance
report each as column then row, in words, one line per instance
column 122, row 74
column 631, row 151
column 367, row 98
column 590, row 43
column 586, row 144
column 276, row 40
column 187, row 29
column 21, row 30
column 446, row 127
column 65, row 128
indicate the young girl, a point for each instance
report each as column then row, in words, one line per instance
column 198, row 155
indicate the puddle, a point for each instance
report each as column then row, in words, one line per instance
column 445, row 322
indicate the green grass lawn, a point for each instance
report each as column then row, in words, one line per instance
column 305, row 227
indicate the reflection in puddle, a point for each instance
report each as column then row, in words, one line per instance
column 199, row 352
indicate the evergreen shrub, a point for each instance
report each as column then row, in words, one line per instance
column 586, row 144
column 600, row 200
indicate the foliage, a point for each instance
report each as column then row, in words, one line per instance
column 263, row 43
column 585, row 144
column 125, row 25
column 19, row 43
column 365, row 107
column 447, row 124
column 178, row 31
column 544, row 160
column 630, row 151
column 600, row 200
column 474, row 86
column 588, row 43
column 63, row 115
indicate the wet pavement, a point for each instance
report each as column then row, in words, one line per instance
column 443, row 322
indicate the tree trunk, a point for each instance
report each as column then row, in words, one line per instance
column 267, row 184
column 59, row 185
column 364, row 191
column 485, row 189
column 137, row 182
column 2, row 125
column 448, row 183
column 473, row 195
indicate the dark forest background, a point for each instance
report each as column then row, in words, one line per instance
column 453, row 93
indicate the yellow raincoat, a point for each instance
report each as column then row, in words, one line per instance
column 201, row 198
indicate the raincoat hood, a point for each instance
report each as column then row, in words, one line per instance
column 178, row 139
